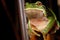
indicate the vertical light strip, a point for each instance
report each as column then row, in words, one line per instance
column 58, row 2
column 23, row 20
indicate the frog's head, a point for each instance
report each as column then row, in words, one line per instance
column 35, row 10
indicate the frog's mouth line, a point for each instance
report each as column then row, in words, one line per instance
column 35, row 9
column 35, row 12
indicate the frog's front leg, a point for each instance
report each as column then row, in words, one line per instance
column 47, row 37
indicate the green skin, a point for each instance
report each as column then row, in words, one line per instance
column 51, row 18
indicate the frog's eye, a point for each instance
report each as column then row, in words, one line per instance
column 38, row 3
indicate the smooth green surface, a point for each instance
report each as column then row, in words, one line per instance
column 54, row 17
column 49, row 26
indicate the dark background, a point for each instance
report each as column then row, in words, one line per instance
column 6, row 30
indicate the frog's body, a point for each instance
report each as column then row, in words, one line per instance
column 37, row 18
